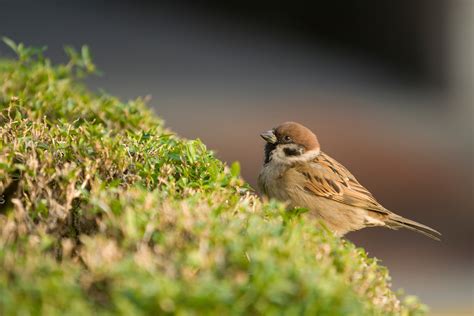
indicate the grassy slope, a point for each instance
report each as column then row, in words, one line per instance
column 105, row 211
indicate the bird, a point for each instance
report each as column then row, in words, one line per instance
column 297, row 172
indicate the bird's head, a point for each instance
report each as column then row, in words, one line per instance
column 290, row 142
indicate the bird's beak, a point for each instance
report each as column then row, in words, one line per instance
column 269, row 137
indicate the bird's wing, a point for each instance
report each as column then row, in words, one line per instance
column 327, row 178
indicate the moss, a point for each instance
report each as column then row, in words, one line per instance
column 105, row 211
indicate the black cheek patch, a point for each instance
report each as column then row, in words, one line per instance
column 292, row 151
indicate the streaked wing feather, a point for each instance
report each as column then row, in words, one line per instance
column 332, row 180
column 329, row 179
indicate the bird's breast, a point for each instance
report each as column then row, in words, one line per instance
column 272, row 183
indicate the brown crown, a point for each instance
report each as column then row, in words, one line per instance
column 299, row 134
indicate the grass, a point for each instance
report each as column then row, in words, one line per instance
column 105, row 211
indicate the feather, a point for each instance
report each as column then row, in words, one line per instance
column 395, row 221
column 327, row 178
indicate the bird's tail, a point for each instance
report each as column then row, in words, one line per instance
column 395, row 221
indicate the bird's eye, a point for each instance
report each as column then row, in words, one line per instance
column 287, row 138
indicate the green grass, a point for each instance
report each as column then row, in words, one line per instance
column 105, row 211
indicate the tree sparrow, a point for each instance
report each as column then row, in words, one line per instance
column 298, row 172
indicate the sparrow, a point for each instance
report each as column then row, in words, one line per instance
column 296, row 171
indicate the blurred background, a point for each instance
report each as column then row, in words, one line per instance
column 387, row 86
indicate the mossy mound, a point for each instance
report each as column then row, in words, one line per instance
column 104, row 211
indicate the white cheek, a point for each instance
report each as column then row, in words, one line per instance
column 279, row 157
